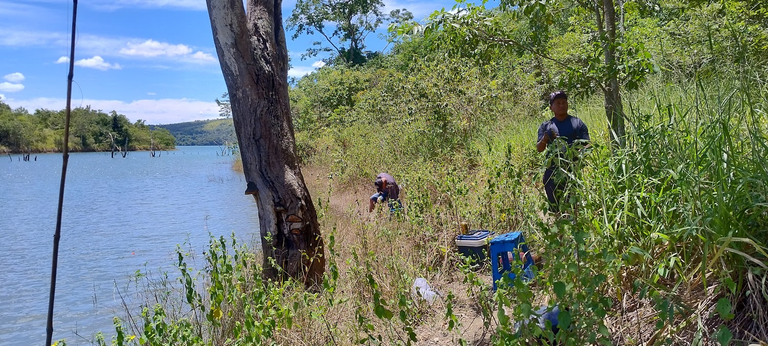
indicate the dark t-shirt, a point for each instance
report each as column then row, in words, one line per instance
column 572, row 128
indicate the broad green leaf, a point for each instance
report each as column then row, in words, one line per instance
column 559, row 289
column 724, row 335
column 723, row 308
column 379, row 311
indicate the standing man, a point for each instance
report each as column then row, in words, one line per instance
column 564, row 126
column 386, row 190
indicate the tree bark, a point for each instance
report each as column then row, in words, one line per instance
column 254, row 60
column 613, row 106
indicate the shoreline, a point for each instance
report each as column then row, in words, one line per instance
column 6, row 152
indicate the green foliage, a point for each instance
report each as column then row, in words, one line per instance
column 435, row 109
column 201, row 132
column 706, row 36
column 351, row 21
column 90, row 130
column 233, row 304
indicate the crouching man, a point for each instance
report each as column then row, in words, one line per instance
column 386, row 191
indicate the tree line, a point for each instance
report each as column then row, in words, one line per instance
column 219, row 132
column 90, row 130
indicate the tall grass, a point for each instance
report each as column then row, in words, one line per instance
column 685, row 201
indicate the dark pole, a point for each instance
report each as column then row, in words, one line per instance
column 57, row 235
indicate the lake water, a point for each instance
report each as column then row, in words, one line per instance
column 120, row 215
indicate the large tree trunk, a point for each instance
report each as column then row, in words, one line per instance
column 254, row 61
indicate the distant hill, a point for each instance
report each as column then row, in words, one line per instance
column 202, row 132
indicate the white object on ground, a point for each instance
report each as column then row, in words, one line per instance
column 422, row 290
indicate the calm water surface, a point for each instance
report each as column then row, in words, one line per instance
column 120, row 215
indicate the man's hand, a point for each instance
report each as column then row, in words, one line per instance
column 542, row 144
column 550, row 135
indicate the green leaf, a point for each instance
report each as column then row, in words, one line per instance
column 503, row 318
column 411, row 334
column 379, row 311
column 723, row 308
column 382, row 312
column 564, row 319
column 724, row 335
column 730, row 284
column 559, row 289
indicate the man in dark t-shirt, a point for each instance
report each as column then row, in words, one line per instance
column 386, row 190
column 565, row 126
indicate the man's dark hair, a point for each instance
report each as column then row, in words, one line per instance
column 557, row 95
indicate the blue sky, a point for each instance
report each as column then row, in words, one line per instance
column 148, row 59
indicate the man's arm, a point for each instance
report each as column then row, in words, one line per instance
column 542, row 144
column 545, row 135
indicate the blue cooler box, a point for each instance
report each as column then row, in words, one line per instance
column 475, row 244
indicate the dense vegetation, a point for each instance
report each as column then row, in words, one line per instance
column 202, row 132
column 664, row 239
column 90, row 130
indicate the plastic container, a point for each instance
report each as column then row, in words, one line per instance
column 474, row 244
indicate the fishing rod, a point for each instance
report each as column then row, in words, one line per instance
column 57, row 235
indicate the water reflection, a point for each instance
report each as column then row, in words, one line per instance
column 120, row 215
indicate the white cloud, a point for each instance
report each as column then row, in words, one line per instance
column 2, row 97
column 163, row 111
column 151, row 94
column 205, row 57
column 15, row 77
column 96, row 62
column 88, row 44
column 300, row 71
column 152, row 48
column 11, row 87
